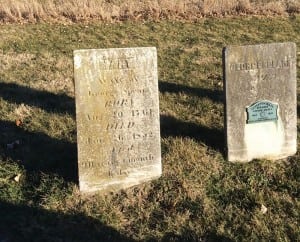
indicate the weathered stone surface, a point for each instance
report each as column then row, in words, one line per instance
column 260, row 79
column 117, row 112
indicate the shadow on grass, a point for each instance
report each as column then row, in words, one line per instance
column 50, row 102
column 214, row 95
column 173, row 127
column 24, row 223
column 38, row 152
column 190, row 236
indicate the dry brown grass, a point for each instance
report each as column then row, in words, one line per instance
column 115, row 10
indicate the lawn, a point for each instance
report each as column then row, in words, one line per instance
column 200, row 196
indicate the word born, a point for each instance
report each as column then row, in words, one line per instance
column 119, row 103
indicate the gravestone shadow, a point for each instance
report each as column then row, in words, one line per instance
column 215, row 95
column 25, row 223
column 50, row 102
column 37, row 151
column 173, row 127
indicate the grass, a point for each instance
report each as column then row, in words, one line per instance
column 115, row 10
column 200, row 197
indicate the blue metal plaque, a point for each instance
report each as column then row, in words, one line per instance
column 262, row 111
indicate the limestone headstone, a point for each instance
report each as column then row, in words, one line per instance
column 261, row 105
column 117, row 112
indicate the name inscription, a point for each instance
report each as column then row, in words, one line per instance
column 120, row 63
column 257, row 65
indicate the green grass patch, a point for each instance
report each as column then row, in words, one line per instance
column 200, row 196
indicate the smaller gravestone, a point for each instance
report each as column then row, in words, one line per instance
column 117, row 112
column 261, row 104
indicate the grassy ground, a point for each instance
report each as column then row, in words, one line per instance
column 200, row 197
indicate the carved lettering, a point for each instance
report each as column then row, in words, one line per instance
column 120, row 137
column 138, row 91
column 113, row 79
column 93, row 140
column 101, row 93
column 139, row 159
column 94, row 117
column 122, row 63
column 119, row 103
column 120, row 149
column 118, row 114
column 120, row 125
column 265, row 77
column 130, row 125
column 266, row 64
column 115, row 164
column 88, row 164
column 142, row 113
column 114, row 172
column 141, row 136
column 116, row 125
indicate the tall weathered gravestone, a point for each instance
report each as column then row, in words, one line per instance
column 261, row 105
column 117, row 112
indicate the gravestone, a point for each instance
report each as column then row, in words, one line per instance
column 261, row 103
column 117, row 112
